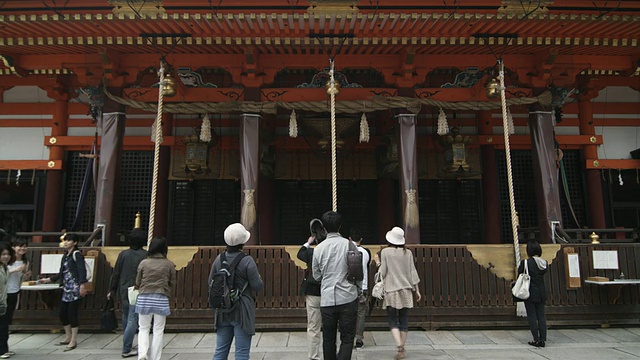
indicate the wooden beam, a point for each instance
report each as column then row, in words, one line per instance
column 88, row 140
column 622, row 164
column 30, row 164
column 526, row 139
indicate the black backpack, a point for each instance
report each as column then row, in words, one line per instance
column 222, row 292
column 354, row 263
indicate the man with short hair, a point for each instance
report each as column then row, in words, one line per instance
column 124, row 275
column 363, row 298
column 339, row 296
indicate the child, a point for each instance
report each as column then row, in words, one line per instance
column 6, row 256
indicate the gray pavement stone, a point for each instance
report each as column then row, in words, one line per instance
column 501, row 337
column 442, row 338
column 185, row 340
column 275, row 339
column 484, row 354
column 621, row 334
column 583, row 353
column 578, row 335
column 472, row 337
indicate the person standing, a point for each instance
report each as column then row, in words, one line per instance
column 155, row 279
column 239, row 322
column 338, row 296
column 7, row 256
column 400, row 279
column 124, row 276
column 311, row 291
column 535, row 304
column 18, row 270
column 363, row 298
column 73, row 275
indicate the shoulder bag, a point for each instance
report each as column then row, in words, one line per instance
column 520, row 289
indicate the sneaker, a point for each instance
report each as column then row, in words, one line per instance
column 359, row 344
column 130, row 354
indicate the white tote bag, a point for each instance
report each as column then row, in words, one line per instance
column 521, row 287
column 378, row 289
column 133, row 295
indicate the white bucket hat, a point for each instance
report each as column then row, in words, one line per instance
column 395, row 236
column 236, row 234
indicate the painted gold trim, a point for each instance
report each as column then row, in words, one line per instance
column 499, row 259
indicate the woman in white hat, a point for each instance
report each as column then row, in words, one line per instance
column 400, row 279
column 239, row 321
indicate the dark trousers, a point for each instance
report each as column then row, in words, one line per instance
column 12, row 303
column 4, row 333
column 537, row 322
column 342, row 317
column 69, row 313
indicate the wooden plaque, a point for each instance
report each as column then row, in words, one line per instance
column 571, row 268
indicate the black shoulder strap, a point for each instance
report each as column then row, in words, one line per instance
column 232, row 269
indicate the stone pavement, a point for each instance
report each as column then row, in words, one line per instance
column 562, row 344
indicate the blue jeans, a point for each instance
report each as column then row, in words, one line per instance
column 225, row 334
column 129, row 325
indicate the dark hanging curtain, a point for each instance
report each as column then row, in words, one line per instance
column 87, row 182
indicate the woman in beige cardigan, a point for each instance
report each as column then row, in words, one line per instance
column 400, row 279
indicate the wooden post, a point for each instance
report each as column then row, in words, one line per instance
column 490, row 193
column 594, row 185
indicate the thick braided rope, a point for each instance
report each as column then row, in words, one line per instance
column 507, row 150
column 334, row 150
column 156, row 158
column 343, row 107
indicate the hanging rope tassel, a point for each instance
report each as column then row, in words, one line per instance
column 510, row 126
column 20, row 174
column 33, row 177
column 411, row 211
column 205, row 130
column 364, row 129
column 293, row 125
column 248, row 216
column 443, row 126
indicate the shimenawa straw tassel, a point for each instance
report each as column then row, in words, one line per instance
column 364, row 128
column 411, row 211
column 248, row 216
column 511, row 127
column 205, row 130
column 443, row 126
column 293, row 125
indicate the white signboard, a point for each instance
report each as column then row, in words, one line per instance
column 50, row 264
column 605, row 259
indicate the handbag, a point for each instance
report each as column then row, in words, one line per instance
column 132, row 294
column 378, row 289
column 520, row 289
column 109, row 321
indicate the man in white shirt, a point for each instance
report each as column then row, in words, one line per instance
column 338, row 296
column 363, row 298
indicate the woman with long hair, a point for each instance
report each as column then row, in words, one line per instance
column 400, row 279
column 7, row 256
column 73, row 275
column 155, row 280
column 534, row 305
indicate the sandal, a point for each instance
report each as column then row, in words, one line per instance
column 65, row 342
column 400, row 354
column 534, row 343
column 6, row 355
column 70, row 347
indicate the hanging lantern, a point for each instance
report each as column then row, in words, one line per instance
column 455, row 154
column 196, row 155
column 493, row 89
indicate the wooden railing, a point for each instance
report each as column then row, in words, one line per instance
column 458, row 292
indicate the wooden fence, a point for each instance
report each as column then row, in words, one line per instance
column 458, row 292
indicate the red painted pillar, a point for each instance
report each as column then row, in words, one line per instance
column 490, row 193
column 594, row 185
column 53, row 193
